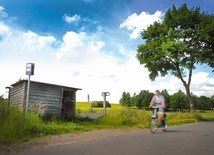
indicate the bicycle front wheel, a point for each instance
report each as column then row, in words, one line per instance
column 153, row 125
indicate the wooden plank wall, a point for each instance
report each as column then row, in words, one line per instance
column 49, row 95
column 17, row 95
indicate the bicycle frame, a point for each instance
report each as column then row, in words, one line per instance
column 154, row 123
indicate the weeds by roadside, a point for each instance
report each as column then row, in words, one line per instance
column 18, row 126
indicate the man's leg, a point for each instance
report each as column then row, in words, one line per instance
column 164, row 123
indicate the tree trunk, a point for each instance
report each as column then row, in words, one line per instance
column 187, row 85
column 190, row 99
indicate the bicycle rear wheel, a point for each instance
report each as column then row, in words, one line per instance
column 153, row 125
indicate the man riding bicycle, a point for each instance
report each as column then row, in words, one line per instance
column 160, row 103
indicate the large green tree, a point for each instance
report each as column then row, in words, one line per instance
column 123, row 99
column 126, row 99
column 179, row 101
column 177, row 44
column 143, row 98
column 212, row 100
column 205, row 103
column 139, row 99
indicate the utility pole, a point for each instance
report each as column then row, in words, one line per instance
column 88, row 98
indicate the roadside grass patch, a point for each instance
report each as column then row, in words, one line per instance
column 18, row 126
column 208, row 115
column 179, row 118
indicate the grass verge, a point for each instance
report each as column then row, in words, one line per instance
column 18, row 126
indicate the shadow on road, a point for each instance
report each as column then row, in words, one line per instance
column 170, row 131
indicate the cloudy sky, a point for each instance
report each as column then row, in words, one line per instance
column 88, row 44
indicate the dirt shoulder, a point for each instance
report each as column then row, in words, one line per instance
column 55, row 140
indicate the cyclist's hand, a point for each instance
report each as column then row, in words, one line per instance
column 150, row 106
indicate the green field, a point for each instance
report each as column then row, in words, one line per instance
column 86, row 108
column 122, row 117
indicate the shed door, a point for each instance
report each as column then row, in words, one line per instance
column 68, row 104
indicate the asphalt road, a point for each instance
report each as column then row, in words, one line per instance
column 191, row 139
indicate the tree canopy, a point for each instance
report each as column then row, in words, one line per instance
column 179, row 101
column 177, row 44
column 126, row 99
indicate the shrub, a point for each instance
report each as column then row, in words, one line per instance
column 99, row 104
column 15, row 124
column 128, row 117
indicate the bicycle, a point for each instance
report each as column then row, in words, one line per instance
column 157, row 120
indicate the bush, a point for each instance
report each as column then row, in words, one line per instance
column 128, row 117
column 99, row 104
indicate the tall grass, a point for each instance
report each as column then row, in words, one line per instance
column 120, row 117
column 15, row 124
column 18, row 126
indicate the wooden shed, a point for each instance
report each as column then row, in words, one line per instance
column 58, row 100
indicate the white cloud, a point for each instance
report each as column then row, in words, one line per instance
column 78, row 47
column 71, row 19
column 23, row 42
column 200, row 78
column 3, row 14
column 4, row 31
column 30, row 41
column 79, row 61
column 88, row 20
column 136, row 23
column 202, row 84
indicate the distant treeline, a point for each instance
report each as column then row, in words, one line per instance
column 176, row 101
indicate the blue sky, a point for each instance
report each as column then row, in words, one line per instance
column 89, row 44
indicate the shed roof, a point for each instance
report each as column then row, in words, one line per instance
column 22, row 81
